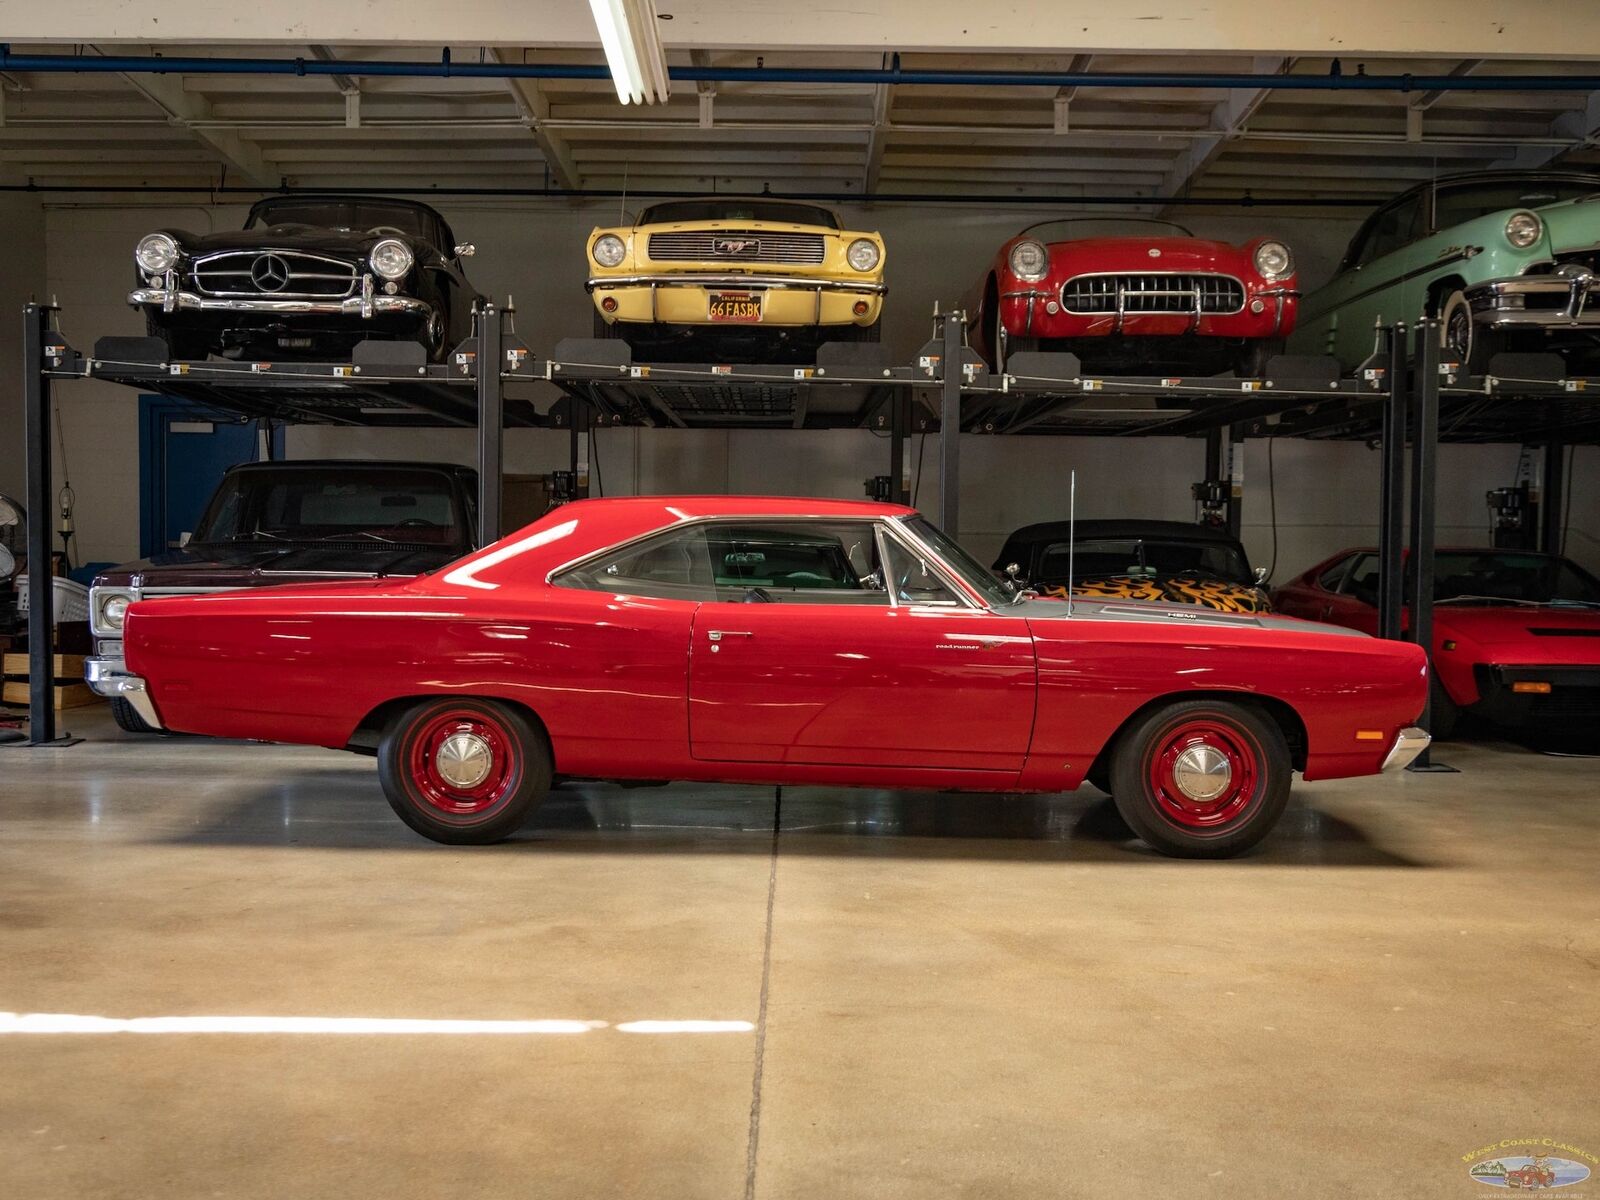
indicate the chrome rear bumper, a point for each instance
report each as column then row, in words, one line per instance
column 109, row 677
column 1410, row 742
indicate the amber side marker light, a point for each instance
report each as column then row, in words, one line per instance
column 1369, row 735
column 1531, row 687
column 1449, row 645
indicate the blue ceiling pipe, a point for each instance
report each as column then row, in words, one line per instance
column 1333, row 81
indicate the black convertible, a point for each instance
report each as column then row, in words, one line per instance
column 308, row 277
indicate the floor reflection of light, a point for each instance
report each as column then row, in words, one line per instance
column 49, row 1023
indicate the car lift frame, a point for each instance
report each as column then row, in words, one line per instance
column 1395, row 399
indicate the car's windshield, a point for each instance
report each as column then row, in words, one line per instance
column 1465, row 575
column 962, row 563
column 788, row 213
column 389, row 505
column 359, row 216
column 1143, row 558
column 1456, row 203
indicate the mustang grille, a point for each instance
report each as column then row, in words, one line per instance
column 1152, row 293
column 247, row 273
column 736, row 245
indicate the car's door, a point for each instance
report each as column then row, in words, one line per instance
column 880, row 662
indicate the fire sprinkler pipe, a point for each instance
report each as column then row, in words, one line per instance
column 1334, row 80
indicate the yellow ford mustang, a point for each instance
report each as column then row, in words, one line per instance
column 758, row 271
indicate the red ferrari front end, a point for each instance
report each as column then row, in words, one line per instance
column 1141, row 305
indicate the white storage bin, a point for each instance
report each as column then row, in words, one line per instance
column 71, row 599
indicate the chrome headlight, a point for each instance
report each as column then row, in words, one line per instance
column 1523, row 229
column 391, row 258
column 1273, row 260
column 109, row 609
column 609, row 250
column 1030, row 260
column 156, row 252
column 862, row 254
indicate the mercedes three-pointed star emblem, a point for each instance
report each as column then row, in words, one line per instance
column 269, row 272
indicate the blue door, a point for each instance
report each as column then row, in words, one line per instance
column 184, row 450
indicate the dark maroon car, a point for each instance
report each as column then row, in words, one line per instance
column 293, row 522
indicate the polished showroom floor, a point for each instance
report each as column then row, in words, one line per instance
column 721, row 992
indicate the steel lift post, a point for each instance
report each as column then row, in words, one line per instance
column 1391, row 503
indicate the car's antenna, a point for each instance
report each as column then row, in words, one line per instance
column 1072, row 532
column 622, row 201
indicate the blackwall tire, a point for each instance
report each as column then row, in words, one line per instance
column 429, row 761
column 1198, row 745
column 128, row 719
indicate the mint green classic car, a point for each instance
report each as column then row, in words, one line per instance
column 1507, row 260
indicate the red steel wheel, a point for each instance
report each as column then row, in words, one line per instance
column 1202, row 778
column 464, row 771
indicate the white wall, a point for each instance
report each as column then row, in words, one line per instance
column 532, row 250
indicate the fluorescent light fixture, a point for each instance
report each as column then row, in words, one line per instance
column 633, row 49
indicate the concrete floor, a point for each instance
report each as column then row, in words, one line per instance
column 933, row 995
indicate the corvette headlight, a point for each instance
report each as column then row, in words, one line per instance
column 609, row 250
column 1030, row 260
column 391, row 258
column 156, row 252
column 862, row 254
column 1273, row 260
column 110, row 610
column 1523, row 229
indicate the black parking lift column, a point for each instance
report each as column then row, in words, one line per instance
column 951, row 372
column 1424, row 470
column 491, row 425
column 1552, row 499
column 899, row 418
column 1235, row 481
column 1392, row 504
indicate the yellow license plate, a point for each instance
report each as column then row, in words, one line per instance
column 740, row 308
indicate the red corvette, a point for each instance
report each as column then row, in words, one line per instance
column 1516, row 634
column 1139, row 303
column 766, row 640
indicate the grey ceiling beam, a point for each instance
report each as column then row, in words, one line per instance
column 184, row 109
column 1228, row 120
column 1572, row 130
column 534, row 107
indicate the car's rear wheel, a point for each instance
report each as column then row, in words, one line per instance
column 463, row 771
column 1202, row 778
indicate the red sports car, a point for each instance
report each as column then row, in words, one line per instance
column 766, row 640
column 1137, row 303
column 1516, row 634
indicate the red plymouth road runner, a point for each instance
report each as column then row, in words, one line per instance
column 763, row 640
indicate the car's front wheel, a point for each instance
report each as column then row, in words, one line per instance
column 127, row 717
column 1202, row 778
column 463, row 771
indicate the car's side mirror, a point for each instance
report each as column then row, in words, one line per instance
column 183, row 538
column 1014, row 572
column 1261, row 575
column 466, row 250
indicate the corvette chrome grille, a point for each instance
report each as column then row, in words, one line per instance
column 248, row 273
column 736, row 245
column 1183, row 294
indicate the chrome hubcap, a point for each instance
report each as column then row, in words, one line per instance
column 464, row 760
column 1202, row 773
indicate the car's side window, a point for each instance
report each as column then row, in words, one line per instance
column 675, row 565
column 1362, row 582
column 912, row 578
column 1334, row 575
column 1391, row 229
column 796, row 562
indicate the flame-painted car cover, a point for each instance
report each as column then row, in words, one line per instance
column 1223, row 595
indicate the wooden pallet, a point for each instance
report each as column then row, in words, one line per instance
column 62, row 666
column 66, row 695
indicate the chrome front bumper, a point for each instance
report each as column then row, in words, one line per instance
column 366, row 305
column 1410, row 742
column 1504, row 303
column 717, row 279
column 109, row 677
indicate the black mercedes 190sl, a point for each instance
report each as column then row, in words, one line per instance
column 308, row 277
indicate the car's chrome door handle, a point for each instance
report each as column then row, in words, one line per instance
column 716, row 635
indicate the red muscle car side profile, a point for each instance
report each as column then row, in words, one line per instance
column 1516, row 633
column 762, row 640
column 1139, row 302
